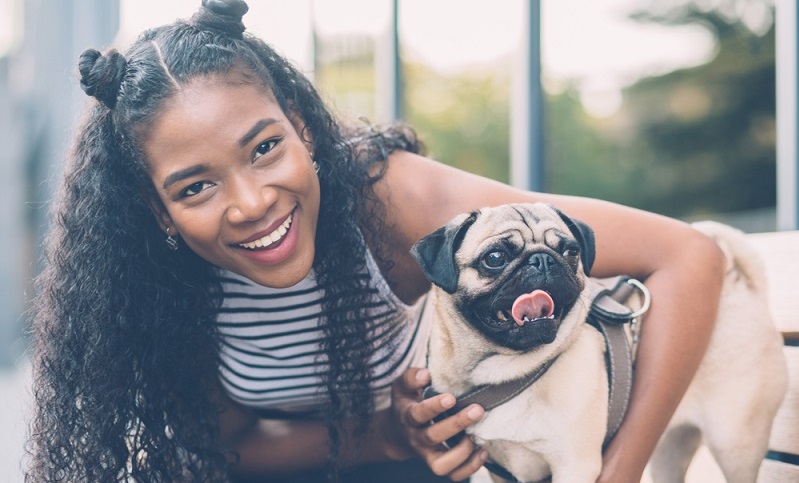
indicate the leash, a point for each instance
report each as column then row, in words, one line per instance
column 608, row 315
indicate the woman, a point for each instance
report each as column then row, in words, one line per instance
column 210, row 181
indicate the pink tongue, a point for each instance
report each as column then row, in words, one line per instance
column 533, row 305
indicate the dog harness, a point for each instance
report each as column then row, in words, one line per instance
column 609, row 315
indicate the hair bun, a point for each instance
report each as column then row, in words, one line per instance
column 223, row 16
column 101, row 75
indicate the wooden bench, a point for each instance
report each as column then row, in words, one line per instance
column 780, row 250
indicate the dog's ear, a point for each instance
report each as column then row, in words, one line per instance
column 585, row 237
column 436, row 253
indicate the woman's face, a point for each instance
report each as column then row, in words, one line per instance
column 236, row 180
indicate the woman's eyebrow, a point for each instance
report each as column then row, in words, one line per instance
column 201, row 168
column 258, row 127
column 184, row 173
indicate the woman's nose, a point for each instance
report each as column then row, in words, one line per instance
column 249, row 200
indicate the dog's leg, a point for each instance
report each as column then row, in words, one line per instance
column 739, row 449
column 586, row 469
column 736, row 424
column 674, row 453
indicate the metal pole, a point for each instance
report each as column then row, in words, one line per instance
column 527, row 107
column 396, row 110
column 787, row 21
column 388, row 69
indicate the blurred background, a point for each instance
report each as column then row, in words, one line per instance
column 665, row 105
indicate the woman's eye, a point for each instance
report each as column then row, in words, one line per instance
column 264, row 148
column 194, row 188
column 495, row 259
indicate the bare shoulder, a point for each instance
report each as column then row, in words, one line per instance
column 421, row 194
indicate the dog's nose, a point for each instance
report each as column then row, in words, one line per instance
column 542, row 261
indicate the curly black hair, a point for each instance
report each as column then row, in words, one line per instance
column 125, row 343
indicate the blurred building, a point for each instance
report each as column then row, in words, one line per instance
column 39, row 100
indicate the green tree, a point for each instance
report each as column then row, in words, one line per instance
column 463, row 118
column 688, row 143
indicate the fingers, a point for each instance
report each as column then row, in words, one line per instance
column 441, row 431
column 458, row 463
column 425, row 437
column 421, row 413
column 413, row 379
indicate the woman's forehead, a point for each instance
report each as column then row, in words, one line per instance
column 210, row 116
column 220, row 100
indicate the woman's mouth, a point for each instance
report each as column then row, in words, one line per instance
column 270, row 238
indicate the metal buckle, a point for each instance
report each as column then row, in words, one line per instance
column 635, row 322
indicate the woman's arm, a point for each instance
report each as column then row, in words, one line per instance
column 265, row 447
column 682, row 268
column 269, row 447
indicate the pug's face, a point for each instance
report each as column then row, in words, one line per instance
column 513, row 271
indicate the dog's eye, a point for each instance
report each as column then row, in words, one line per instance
column 495, row 259
column 571, row 252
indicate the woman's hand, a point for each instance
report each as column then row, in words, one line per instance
column 408, row 429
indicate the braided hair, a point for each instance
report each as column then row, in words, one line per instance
column 126, row 349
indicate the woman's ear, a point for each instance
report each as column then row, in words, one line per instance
column 161, row 214
column 303, row 131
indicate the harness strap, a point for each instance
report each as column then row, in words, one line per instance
column 608, row 315
column 490, row 396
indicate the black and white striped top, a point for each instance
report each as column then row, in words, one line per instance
column 271, row 356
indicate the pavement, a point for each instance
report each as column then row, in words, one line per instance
column 15, row 404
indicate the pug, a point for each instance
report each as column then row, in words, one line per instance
column 511, row 297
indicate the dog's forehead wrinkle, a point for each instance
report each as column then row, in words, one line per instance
column 528, row 216
column 553, row 235
column 485, row 235
column 529, row 220
column 547, row 231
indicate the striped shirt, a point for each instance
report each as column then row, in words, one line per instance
column 271, row 356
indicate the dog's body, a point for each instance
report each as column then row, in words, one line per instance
column 512, row 294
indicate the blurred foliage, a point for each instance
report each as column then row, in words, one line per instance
column 688, row 143
column 345, row 74
column 464, row 119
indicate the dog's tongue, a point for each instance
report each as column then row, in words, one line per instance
column 533, row 305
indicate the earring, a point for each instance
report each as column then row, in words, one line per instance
column 171, row 241
column 315, row 167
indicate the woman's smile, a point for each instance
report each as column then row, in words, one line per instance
column 273, row 247
column 271, row 238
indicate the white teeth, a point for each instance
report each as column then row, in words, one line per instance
column 501, row 315
column 527, row 319
column 271, row 238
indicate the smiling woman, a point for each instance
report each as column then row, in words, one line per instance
column 211, row 141
column 229, row 291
